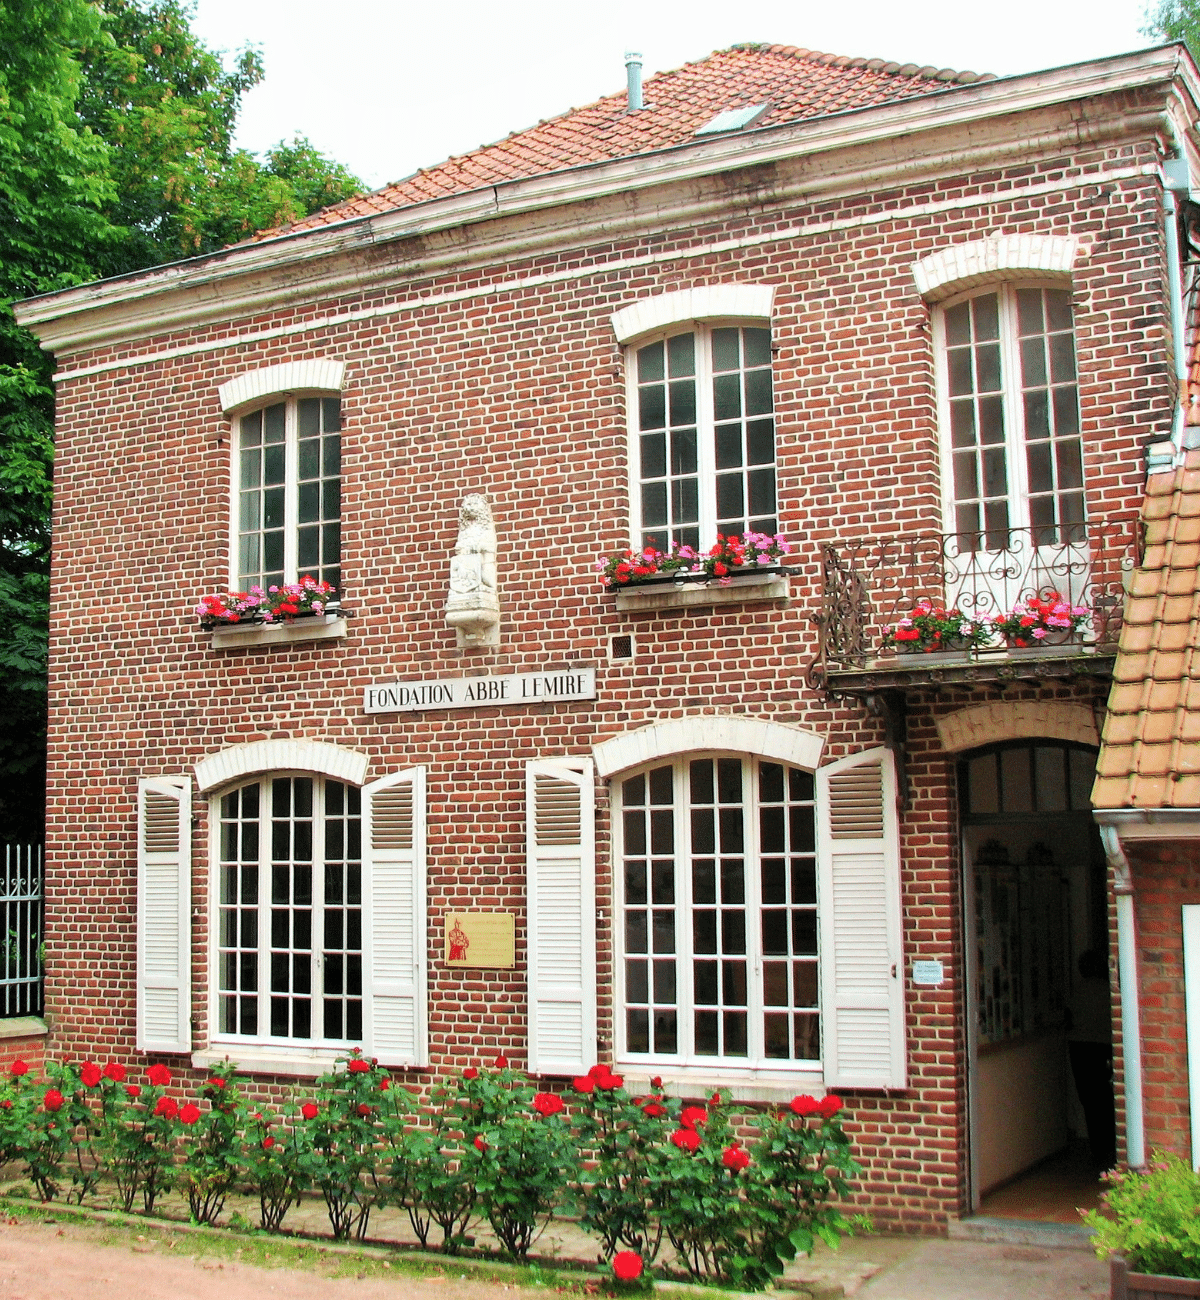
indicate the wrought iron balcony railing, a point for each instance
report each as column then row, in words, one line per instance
column 870, row 584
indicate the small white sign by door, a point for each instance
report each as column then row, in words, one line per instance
column 931, row 973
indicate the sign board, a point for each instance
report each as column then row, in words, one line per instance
column 480, row 692
column 480, row 939
column 931, row 973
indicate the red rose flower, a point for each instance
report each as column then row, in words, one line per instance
column 715, row 1099
column 654, row 1110
column 268, row 1142
column 18, row 1068
column 480, row 1144
column 385, row 1085
column 114, row 1072
column 656, row 1082
column 599, row 1072
column 53, row 1100
column 90, row 1075
column 610, row 1081
column 167, row 1107
column 585, row 1083
column 548, row 1103
column 686, row 1139
column 5, row 1104
column 133, row 1090
column 829, row 1106
column 804, row 1105
column 189, row 1113
column 363, row 1108
column 159, row 1076
column 356, row 1065
column 501, row 1063
column 309, row 1110
column 470, row 1072
column 692, row 1115
column 733, row 1157
column 215, row 1082
column 627, row 1265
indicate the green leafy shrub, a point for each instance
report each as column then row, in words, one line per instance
column 427, row 1176
column 1151, row 1217
column 211, row 1146
column 274, row 1166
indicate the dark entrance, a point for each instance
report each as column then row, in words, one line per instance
column 1034, row 893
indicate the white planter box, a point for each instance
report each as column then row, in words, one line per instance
column 327, row 628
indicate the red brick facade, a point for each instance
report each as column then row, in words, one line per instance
column 508, row 381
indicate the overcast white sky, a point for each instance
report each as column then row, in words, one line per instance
column 387, row 86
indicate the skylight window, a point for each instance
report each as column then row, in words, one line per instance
column 734, row 119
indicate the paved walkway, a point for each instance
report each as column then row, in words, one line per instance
column 47, row 1261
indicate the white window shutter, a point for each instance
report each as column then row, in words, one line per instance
column 862, row 962
column 395, row 1015
column 561, row 908
column 164, row 931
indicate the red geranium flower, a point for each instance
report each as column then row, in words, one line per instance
column 585, row 1083
column 159, row 1076
column 627, row 1265
column 356, row 1065
column 167, row 1107
column 133, row 1090
column 114, row 1072
column 829, row 1106
column 189, row 1113
column 686, row 1139
column 309, row 1110
column 690, row 1116
column 470, row 1072
column 480, row 1144
column 18, row 1067
column 502, row 1062
column 804, row 1105
column 548, row 1103
column 90, row 1075
column 53, row 1100
column 733, row 1157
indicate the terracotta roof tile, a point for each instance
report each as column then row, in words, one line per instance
column 1150, row 750
column 798, row 85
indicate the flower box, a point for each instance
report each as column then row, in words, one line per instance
column 1147, row 1286
column 680, row 579
column 303, row 627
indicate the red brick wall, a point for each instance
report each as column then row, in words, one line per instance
column 520, row 394
column 1165, row 877
column 31, row 1050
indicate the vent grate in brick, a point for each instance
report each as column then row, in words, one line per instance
column 621, row 647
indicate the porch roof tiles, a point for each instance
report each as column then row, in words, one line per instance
column 1149, row 756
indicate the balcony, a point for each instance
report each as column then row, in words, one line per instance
column 870, row 584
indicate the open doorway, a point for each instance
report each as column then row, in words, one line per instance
column 1039, row 1036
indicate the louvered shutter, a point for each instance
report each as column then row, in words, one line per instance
column 164, row 932
column 561, row 902
column 862, row 966
column 395, row 1016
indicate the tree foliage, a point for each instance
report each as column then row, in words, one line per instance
column 116, row 153
column 1175, row 20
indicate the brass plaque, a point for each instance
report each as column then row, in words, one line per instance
column 480, row 939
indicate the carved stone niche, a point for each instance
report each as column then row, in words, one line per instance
column 473, row 603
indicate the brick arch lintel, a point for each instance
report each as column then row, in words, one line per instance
column 988, row 261
column 985, row 724
column 280, row 756
column 317, row 375
column 757, row 736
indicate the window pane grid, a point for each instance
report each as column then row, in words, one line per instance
column 261, row 497
column 744, row 431
column 290, row 911
column 719, row 912
column 668, row 446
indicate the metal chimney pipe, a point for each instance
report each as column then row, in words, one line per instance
column 633, row 72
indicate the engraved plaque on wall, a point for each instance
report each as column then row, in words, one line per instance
column 482, row 939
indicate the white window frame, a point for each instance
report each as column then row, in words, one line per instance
column 713, row 1069
column 290, row 400
column 245, row 1047
column 706, row 468
column 1014, row 409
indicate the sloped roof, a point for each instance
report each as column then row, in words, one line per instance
column 1150, row 750
column 797, row 84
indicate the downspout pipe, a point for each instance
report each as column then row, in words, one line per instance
column 1127, row 972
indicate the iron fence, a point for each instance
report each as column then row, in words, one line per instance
column 21, row 931
column 872, row 583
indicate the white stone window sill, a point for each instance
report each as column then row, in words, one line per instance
column 739, row 590
column 327, row 628
column 298, row 1062
column 23, row 1027
column 747, row 1085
